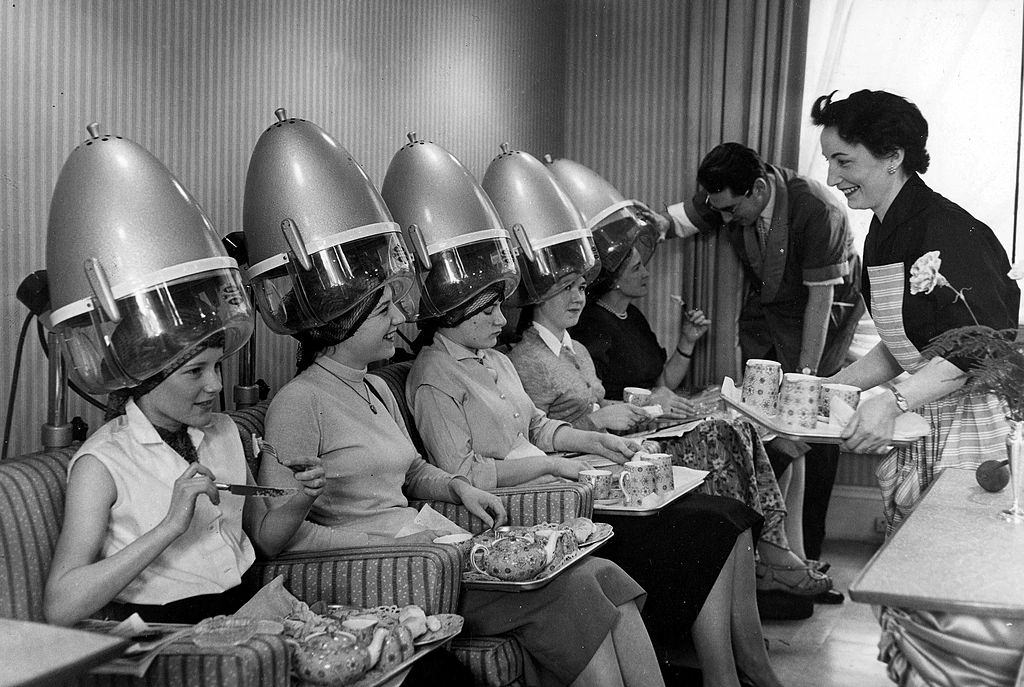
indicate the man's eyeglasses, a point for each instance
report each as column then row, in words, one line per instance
column 730, row 209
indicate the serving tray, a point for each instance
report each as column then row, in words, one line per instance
column 909, row 427
column 686, row 479
column 451, row 625
column 474, row 580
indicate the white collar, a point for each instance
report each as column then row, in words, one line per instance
column 145, row 431
column 552, row 342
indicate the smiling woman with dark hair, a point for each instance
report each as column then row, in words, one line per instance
column 875, row 145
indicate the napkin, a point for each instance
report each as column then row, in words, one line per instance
column 839, row 412
column 653, row 411
column 430, row 519
column 271, row 602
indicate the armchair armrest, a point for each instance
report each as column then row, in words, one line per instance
column 527, row 505
column 262, row 661
column 427, row 575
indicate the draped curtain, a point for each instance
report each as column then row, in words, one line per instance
column 651, row 87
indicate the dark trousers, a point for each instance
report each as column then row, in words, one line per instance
column 819, row 474
column 820, row 464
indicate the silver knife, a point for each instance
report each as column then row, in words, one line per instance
column 254, row 489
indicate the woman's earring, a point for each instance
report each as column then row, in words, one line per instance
column 892, row 169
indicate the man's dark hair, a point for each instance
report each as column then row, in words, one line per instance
column 733, row 166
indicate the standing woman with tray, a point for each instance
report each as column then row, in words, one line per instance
column 145, row 529
column 693, row 557
column 343, row 303
column 874, row 143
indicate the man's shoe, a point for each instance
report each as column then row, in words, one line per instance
column 831, row 597
column 776, row 605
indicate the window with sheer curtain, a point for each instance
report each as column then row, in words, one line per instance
column 960, row 62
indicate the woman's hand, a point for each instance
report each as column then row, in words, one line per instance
column 480, row 503
column 674, row 406
column 195, row 481
column 694, row 325
column 566, row 468
column 618, row 416
column 312, row 479
column 870, row 430
column 612, row 447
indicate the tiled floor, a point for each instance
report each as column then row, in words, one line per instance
column 838, row 645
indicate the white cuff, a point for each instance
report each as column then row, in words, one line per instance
column 681, row 224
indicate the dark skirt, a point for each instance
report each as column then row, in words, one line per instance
column 676, row 555
column 560, row 625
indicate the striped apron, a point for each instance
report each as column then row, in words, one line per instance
column 966, row 429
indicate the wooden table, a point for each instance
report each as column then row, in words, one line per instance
column 40, row 654
column 953, row 553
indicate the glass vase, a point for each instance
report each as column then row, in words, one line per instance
column 1015, row 454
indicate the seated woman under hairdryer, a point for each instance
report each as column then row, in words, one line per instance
column 144, row 527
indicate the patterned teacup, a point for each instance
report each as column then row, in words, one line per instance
column 361, row 627
column 636, row 481
column 599, row 480
column 850, row 395
column 664, row 480
column 798, row 400
column 761, row 380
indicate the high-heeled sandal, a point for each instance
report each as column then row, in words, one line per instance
column 802, row 581
column 820, row 566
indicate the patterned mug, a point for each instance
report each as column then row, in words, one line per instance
column 798, row 400
column 664, row 480
column 599, row 480
column 637, row 482
column 761, row 380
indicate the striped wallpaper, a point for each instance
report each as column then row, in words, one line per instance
column 197, row 81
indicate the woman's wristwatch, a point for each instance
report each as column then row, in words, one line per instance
column 901, row 400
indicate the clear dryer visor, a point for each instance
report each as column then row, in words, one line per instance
column 458, row 273
column 159, row 327
column 292, row 299
column 620, row 232
column 543, row 276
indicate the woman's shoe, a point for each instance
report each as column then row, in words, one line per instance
column 802, row 581
column 820, row 566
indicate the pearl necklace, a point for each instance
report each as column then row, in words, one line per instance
column 620, row 315
column 373, row 408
